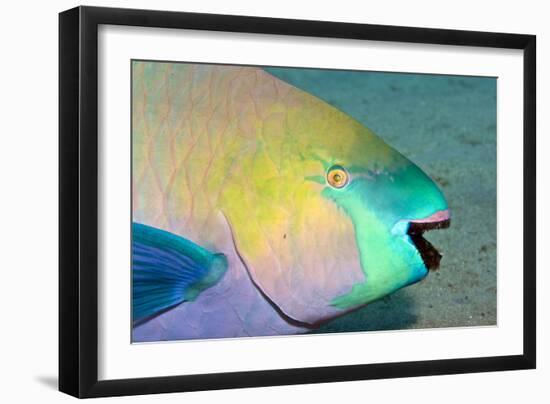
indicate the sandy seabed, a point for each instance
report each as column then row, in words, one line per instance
column 447, row 126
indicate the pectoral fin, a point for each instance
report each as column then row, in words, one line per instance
column 168, row 269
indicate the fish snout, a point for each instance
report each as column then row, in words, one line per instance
column 417, row 206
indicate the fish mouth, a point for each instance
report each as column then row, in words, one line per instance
column 430, row 255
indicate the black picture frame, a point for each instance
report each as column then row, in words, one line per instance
column 78, row 201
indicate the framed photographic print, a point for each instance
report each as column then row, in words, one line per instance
column 251, row 201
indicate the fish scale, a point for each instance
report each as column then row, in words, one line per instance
column 187, row 207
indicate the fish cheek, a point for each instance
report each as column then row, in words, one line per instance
column 301, row 254
column 389, row 261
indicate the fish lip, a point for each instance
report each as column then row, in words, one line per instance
column 441, row 216
column 414, row 229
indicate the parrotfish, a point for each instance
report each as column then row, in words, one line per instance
column 260, row 209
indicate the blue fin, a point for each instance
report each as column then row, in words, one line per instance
column 168, row 269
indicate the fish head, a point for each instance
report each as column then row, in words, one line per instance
column 390, row 204
column 326, row 216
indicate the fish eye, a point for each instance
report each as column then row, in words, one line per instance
column 337, row 177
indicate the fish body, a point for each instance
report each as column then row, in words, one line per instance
column 309, row 209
